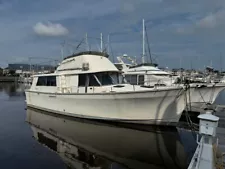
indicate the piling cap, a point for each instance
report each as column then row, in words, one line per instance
column 208, row 117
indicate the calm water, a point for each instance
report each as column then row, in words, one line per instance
column 18, row 148
column 39, row 140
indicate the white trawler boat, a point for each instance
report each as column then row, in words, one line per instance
column 87, row 85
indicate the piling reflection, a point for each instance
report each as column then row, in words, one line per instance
column 86, row 144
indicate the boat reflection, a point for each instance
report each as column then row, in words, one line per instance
column 12, row 89
column 86, row 144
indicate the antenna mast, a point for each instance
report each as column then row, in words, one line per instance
column 181, row 61
column 143, row 42
column 108, row 45
column 86, row 41
column 101, row 42
column 62, row 50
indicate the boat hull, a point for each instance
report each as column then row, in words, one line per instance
column 200, row 96
column 149, row 107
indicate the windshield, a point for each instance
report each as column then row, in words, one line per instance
column 109, row 78
column 105, row 79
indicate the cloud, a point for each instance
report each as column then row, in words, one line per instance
column 207, row 22
column 188, row 28
column 212, row 20
column 50, row 29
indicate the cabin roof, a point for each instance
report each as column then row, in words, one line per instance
column 145, row 64
column 47, row 74
column 146, row 70
column 94, row 53
column 150, row 68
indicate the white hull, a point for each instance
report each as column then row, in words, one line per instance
column 200, row 96
column 149, row 107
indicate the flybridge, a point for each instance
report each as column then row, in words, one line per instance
column 88, row 53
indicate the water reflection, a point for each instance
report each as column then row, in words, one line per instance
column 12, row 89
column 86, row 144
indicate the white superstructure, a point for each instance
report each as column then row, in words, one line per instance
column 148, row 76
column 87, row 85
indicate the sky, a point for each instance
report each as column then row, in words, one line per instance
column 181, row 33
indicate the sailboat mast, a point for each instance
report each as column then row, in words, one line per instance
column 143, row 43
column 221, row 62
column 149, row 50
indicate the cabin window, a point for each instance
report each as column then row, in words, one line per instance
column 93, row 81
column 46, row 81
column 141, row 80
column 82, row 80
column 105, row 78
column 98, row 79
column 51, row 80
column 132, row 79
column 122, row 79
column 41, row 81
column 115, row 77
column 127, row 77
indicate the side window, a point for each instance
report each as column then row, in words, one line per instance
column 141, row 80
column 82, row 80
column 46, row 81
column 51, row 80
column 41, row 81
column 127, row 77
column 133, row 79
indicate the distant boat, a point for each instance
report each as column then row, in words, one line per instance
column 146, row 75
column 87, row 85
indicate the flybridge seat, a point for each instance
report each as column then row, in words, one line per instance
column 88, row 53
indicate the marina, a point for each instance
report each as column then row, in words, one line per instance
column 71, row 109
column 112, row 84
column 92, row 112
